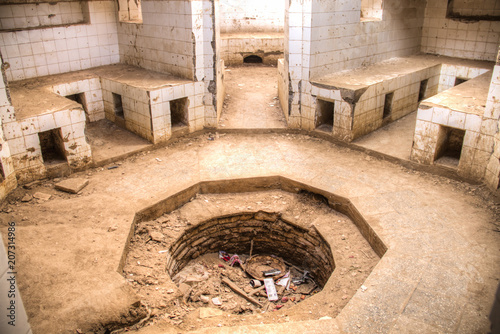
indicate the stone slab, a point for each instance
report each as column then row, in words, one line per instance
column 73, row 185
column 208, row 312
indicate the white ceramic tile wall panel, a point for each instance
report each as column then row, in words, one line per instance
column 163, row 42
column 347, row 43
column 254, row 16
column 458, row 38
column 52, row 50
column 21, row 16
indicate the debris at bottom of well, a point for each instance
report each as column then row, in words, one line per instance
column 243, row 287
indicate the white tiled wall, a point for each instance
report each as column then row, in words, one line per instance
column 450, row 72
column 47, row 51
column 339, row 40
column 163, row 43
column 458, row 38
column 245, row 16
column 24, row 142
column 209, row 70
column 368, row 115
column 9, row 181
column 91, row 88
column 492, row 115
column 30, row 15
column 147, row 113
column 479, row 129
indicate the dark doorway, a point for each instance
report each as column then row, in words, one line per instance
column 52, row 146
column 253, row 59
column 179, row 112
column 388, row 105
column 80, row 98
column 324, row 115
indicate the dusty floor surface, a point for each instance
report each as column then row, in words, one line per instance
column 439, row 274
column 251, row 98
column 394, row 139
column 178, row 301
column 109, row 140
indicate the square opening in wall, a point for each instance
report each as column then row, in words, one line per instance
column 388, row 105
column 80, row 98
column 179, row 112
column 459, row 80
column 118, row 105
column 52, row 146
column 449, row 146
column 324, row 115
column 423, row 89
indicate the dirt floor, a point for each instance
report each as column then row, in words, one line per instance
column 186, row 300
column 251, row 98
column 110, row 141
column 442, row 237
column 394, row 139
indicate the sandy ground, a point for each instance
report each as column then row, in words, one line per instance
column 251, row 98
column 439, row 274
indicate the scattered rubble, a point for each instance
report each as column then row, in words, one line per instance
column 42, row 196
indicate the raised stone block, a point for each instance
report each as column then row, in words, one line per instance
column 73, row 185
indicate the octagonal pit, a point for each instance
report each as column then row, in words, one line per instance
column 173, row 263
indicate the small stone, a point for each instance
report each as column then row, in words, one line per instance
column 205, row 299
column 156, row 236
column 216, row 301
column 26, row 198
column 112, row 228
column 325, row 318
column 184, row 288
column 170, row 291
column 42, row 196
column 73, row 185
column 284, row 299
column 208, row 312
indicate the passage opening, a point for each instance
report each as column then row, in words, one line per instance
column 423, row 89
column 253, row 59
column 324, row 115
column 179, row 112
column 80, row 98
column 52, row 146
column 118, row 105
column 449, row 146
column 459, row 80
column 388, row 105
